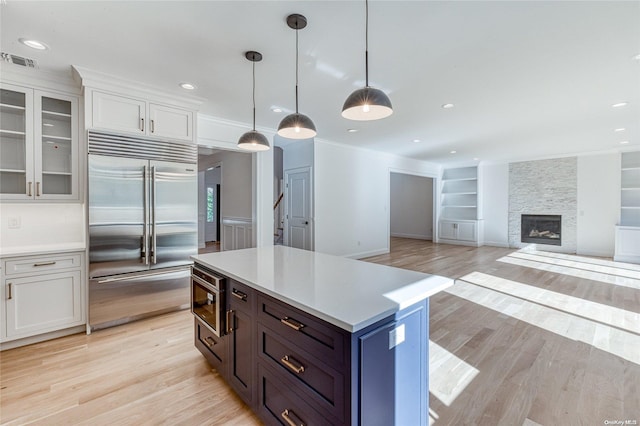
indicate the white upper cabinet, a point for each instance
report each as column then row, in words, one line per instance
column 118, row 113
column 122, row 106
column 38, row 145
column 170, row 122
column 131, row 115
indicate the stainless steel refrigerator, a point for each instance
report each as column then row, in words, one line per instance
column 142, row 226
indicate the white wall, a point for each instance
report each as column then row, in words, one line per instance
column 598, row 203
column 41, row 225
column 411, row 209
column 352, row 197
column 494, row 190
column 297, row 154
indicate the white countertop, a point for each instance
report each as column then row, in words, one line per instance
column 41, row 249
column 350, row 294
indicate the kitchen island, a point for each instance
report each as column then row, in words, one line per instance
column 309, row 338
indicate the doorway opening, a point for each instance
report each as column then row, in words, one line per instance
column 225, row 206
column 412, row 204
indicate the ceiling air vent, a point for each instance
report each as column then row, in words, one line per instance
column 19, row 60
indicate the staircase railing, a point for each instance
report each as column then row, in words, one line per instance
column 279, row 221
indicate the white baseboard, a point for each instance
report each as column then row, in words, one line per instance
column 627, row 259
column 364, row 254
column 594, row 253
column 413, row 236
column 459, row 242
column 496, row 244
column 42, row 337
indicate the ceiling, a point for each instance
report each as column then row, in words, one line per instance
column 528, row 79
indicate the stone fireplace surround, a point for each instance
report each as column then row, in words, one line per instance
column 544, row 187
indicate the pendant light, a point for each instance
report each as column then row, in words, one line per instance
column 297, row 126
column 253, row 140
column 367, row 103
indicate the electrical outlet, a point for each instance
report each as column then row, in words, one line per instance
column 15, row 222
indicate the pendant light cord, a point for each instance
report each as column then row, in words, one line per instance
column 297, row 67
column 366, row 43
column 254, row 96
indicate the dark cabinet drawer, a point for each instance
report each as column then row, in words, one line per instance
column 213, row 348
column 324, row 340
column 280, row 404
column 322, row 385
column 240, row 297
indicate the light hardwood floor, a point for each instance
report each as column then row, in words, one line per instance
column 521, row 338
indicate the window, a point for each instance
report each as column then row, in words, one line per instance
column 210, row 204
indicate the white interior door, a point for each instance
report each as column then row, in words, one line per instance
column 299, row 205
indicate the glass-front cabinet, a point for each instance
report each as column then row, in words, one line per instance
column 38, row 145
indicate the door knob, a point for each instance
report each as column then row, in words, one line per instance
column 306, row 222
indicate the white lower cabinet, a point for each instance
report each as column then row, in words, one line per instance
column 627, row 244
column 42, row 294
column 465, row 232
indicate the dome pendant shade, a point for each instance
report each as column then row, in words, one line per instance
column 253, row 141
column 297, row 126
column 367, row 104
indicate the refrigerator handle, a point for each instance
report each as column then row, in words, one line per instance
column 145, row 228
column 153, row 215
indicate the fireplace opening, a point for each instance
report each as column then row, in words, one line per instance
column 541, row 229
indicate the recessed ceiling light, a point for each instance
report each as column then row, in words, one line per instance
column 187, row 86
column 453, row 152
column 624, row 142
column 637, row 57
column 447, row 106
column 416, row 140
column 476, row 159
column 621, row 129
column 34, row 44
column 619, row 104
column 276, row 109
column 352, row 130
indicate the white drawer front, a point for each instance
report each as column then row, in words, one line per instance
column 42, row 263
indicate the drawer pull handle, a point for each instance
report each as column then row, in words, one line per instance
column 37, row 189
column 240, row 295
column 297, row 326
column 229, row 321
column 10, row 296
column 288, row 417
column 29, row 191
column 291, row 363
column 44, row 264
column 209, row 341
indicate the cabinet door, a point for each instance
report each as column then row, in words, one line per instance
column 467, row 231
column 118, row 113
column 170, row 122
column 43, row 303
column 56, row 146
column 16, row 143
column 448, row 230
column 241, row 367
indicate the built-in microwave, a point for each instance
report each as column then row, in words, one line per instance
column 207, row 298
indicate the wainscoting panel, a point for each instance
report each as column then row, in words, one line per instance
column 236, row 233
